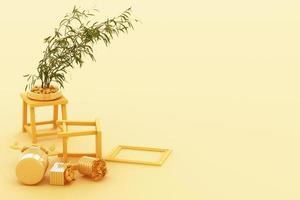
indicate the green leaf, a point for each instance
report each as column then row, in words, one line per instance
column 73, row 41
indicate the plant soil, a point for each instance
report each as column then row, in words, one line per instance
column 40, row 90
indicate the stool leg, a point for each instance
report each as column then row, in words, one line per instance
column 24, row 116
column 98, row 145
column 65, row 149
column 64, row 111
column 55, row 115
column 32, row 125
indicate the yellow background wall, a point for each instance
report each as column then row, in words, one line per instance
column 216, row 81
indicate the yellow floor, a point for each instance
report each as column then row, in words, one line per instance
column 217, row 82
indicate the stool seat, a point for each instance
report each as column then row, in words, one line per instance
column 32, row 104
column 36, row 103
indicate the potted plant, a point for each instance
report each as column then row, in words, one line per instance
column 72, row 40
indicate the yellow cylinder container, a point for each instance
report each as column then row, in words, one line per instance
column 32, row 165
column 92, row 167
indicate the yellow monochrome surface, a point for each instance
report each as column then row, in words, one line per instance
column 217, row 82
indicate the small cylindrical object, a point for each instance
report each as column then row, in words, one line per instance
column 61, row 174
column 32, row 165
column 92, row 167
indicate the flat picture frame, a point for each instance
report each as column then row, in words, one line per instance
column 165, row 153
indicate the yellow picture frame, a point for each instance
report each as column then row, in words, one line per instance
column 113, row 156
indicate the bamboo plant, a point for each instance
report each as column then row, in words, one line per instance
column 71, row 42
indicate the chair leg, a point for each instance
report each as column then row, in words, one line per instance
column 24, row 116
column 55, row 115
column 98, row 145
column 32, row 125
column 65, row 149
column 64, row 111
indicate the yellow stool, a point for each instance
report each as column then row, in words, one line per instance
column 31, row 127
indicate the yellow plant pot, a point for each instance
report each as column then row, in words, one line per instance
column 44, row 97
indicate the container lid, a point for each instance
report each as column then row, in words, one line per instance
column 30, row 171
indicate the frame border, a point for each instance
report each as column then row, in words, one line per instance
column 113, row 156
